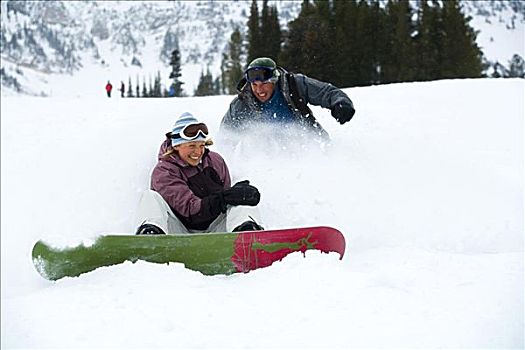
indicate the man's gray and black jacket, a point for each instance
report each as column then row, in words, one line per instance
column 298, row 91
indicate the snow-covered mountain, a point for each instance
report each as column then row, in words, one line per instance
column 133, row 39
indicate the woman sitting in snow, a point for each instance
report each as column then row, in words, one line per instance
column 190, row 188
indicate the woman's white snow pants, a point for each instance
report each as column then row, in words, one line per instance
column 153, row 209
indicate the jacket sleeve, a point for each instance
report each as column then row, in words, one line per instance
column 232, row 122
column 320, row 93
column 224, row 172
column 227, row 122
column 239, row 112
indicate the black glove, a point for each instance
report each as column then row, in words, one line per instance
column 343, row 112
column 242, row 193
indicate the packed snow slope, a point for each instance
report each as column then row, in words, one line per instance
column 426, row 183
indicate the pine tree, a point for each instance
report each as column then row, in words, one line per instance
column 429, row 42
column 157, row 88
column 362, row 55
column 130, row 89
column 254, row 38
column 264, row 24
column 345, row 43
column 307, row 46
column 217, row 86
column 224, row 68
column 233, row 71
column 264, row 32
column 462, row 58
column 176, row 73
column 324, row 61
column 376, row 35
column 275, row 34
column 399, row 63
column 206, row 86
column 137, row 88
column 292, row 56
column 144, row 88
column 498, row 70
column 516, row 67
column 150, row 91
column 269, row 32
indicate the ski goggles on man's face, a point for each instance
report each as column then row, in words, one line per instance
column 191, row 132
column 262, row 74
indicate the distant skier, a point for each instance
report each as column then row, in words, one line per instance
column 191, row 188
column 109, row 87
column 268, row 94
column 122, row 89
column 171, row 92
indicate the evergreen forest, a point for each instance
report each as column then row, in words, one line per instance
column 352, row 43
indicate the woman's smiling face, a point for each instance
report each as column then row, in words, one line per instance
column 191, row 152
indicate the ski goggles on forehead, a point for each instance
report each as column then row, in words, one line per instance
column 262, row 74
column 191, row 132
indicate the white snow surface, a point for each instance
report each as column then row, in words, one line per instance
column 425, row 182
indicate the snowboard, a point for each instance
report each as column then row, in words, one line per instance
column 208, row 253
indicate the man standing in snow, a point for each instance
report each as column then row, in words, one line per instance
column 191, row 188
column 269, row 94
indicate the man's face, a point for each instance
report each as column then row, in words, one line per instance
column 263, row 90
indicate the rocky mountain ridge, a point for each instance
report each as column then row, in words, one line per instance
column 63, row 37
